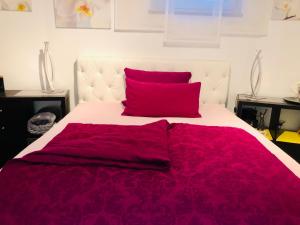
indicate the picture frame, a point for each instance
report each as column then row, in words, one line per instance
column 86, row 14
column 16, row 5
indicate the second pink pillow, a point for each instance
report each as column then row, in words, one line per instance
column 162, row 100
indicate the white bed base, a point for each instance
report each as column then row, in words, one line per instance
column 102, row 78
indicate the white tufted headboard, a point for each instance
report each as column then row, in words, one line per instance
column 99, row 78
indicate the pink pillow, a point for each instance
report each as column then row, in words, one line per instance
column 158, row 76
column 162, row 100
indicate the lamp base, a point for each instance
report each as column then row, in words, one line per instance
column 254, row 98
column 56, row 91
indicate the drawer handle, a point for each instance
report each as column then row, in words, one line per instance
column 1, row 110
column 3, row 128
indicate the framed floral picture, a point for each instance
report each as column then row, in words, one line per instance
column 83, row 13
column 16, row 5
column 286, row 10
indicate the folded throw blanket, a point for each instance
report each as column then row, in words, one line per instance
column 138, row 147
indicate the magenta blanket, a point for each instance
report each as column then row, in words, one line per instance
column 218, row 176
column 139, row 147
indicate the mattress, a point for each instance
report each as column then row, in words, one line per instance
column 110, row 113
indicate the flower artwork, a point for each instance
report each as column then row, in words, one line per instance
column 16, row 5
column 286, row 10
column 82, row 13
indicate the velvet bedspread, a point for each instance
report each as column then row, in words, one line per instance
column 210, row 176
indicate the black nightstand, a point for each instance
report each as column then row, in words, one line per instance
column 276, row 105
column 16, row 108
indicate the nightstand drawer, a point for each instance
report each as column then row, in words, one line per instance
column 2, row 119
column 3, row 129
column 2, row 108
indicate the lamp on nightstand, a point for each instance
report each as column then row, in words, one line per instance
column 255, row 84
column 255, row 81
column 48, row 71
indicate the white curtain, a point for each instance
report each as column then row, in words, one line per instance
column 203, row 22
column 194, row 22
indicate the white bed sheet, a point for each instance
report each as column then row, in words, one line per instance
column 110, row 113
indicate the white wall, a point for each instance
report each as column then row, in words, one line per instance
column 22, row 36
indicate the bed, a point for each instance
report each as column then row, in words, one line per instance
column 255, row 185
